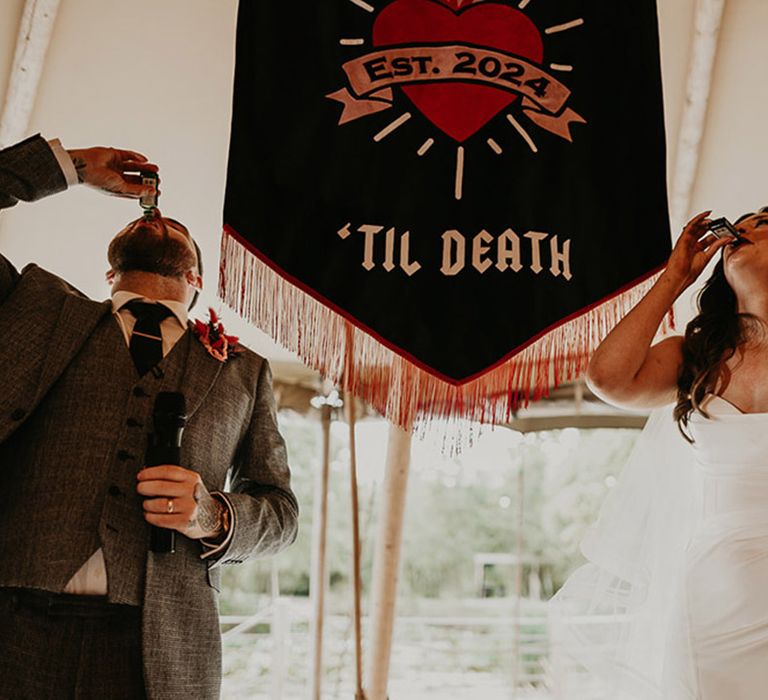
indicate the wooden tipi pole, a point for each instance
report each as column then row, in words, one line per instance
column 386, row 567
column 318, row 582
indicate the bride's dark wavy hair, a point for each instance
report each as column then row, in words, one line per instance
column 711, row 339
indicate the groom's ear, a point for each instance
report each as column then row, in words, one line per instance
column 194, row 280
column 110, row 276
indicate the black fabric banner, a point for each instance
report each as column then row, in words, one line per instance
column 455, row 179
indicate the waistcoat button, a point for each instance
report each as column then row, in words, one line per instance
column 123, row 455
column 115, row 491
column 138, row 391
column 18, row 414
column 133, row 423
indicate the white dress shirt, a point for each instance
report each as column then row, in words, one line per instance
column 65, row 162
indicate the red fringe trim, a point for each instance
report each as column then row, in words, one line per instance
column 397, row 386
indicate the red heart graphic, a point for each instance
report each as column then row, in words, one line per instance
column 458, row 109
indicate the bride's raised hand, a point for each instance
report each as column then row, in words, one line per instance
column 696, row 246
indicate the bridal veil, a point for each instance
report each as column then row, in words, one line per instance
column 619, row 614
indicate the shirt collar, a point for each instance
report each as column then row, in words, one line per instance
column 177, row 308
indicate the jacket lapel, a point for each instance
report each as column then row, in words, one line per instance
column 200, row 374
column 77, row 320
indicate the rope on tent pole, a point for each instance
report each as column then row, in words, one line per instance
column 349, row 404
column 365, row 529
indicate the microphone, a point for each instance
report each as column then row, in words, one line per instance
column 164, row 447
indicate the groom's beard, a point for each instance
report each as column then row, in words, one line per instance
column 145, row 249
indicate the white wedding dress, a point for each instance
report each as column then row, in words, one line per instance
column 678, row 572
column 726, row 581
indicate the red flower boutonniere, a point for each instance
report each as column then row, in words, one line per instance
column 219, row 345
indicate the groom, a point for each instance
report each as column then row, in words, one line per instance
column 86, row 610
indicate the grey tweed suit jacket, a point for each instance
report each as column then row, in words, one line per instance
column 181, row 645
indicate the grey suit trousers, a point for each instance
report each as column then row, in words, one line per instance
column 77, row 651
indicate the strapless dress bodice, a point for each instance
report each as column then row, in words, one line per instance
column 731, row 458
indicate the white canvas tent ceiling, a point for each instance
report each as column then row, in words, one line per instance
column 157, row 76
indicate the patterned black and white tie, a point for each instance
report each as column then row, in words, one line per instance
column 146, row 344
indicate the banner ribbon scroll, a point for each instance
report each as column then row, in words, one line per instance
column 371, row 78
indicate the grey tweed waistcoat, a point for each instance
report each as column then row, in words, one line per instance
column 98, row 412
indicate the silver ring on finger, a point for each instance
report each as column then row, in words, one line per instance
column 169, row 506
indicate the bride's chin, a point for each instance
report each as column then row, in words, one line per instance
column 735, row 256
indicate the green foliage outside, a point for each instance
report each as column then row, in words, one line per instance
column 456, row 508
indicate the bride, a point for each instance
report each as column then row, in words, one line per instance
column 673, row 604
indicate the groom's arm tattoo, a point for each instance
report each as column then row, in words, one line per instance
column 209, row 511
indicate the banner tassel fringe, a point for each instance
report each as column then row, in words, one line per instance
column 399, row 390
